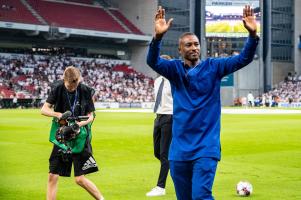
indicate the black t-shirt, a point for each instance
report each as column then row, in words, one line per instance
column 80, row 101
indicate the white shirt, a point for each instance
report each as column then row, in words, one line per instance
column 250, row 97
column 166, row 105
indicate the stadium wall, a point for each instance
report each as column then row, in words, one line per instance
column 248, row 79
column 138, row 60
column 227, row 96
column 280, row 71
column 140, row 13
column 297, row 35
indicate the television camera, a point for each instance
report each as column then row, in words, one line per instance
column 68, row 129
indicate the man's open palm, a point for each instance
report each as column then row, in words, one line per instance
column 249, row 20
column 161, row 26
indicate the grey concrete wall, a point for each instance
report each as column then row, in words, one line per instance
column 280, row 71
column 227, row 96
column 141, row 13
column 297, row 51
column 138, row 60
column 248, row 79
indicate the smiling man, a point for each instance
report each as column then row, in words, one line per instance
column 195, row 84
column 189, row 48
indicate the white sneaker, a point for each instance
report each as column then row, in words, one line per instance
column 156, row 191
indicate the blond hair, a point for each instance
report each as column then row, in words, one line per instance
column 71, row 75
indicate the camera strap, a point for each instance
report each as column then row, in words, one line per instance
column 72, row 106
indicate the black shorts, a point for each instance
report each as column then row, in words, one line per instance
column 83, row 163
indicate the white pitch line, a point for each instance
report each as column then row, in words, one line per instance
column 224, row 111
column 259, row 111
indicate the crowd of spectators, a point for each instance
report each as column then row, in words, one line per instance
column 287, row 91
column 30, row 76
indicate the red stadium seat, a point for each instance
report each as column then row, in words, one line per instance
column 126, row 22
column 15, row 11
column 76, row 16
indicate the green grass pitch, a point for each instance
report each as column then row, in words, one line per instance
column 263, row 149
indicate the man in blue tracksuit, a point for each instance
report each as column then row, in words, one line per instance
column 195, row 85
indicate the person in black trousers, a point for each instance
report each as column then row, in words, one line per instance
column 162, row 130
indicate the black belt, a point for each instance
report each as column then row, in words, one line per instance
column 163, row 114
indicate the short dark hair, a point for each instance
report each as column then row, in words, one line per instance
column 184, row 35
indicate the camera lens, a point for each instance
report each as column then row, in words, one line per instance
column 75, row 127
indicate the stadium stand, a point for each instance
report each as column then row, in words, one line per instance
column 15, row 11
column 287, row 91
column 40, row 51
column 64, row 14
column 30, row 76
column 125, row 21
column 68, row 14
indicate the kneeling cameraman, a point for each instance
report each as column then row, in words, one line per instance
column 71, row 95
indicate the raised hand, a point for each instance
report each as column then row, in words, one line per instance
column 161, row 26
column 249, row 20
